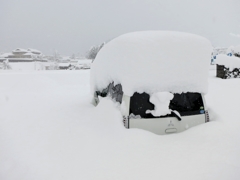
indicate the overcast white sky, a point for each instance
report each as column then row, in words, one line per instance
column 73, row 26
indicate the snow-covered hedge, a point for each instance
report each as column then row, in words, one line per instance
column 227, row 61
column 153, row 61
column 228, row 67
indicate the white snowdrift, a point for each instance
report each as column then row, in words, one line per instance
column 230, row 62
column 153, row 61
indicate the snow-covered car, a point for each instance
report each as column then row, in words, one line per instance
column 158, row 77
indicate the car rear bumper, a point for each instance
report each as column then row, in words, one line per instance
column 166, row 125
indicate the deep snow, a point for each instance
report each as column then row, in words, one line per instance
column 49, row 130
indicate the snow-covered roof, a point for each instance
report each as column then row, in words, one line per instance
column 20, row 50
column 229, row 62
column 5, row 55
column 64, row 64
column 30, row 53
column 29, row 50
column 34, row 51
column 153, row 61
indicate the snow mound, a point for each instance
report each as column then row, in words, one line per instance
column 161, row 101
column 230, row 62
column 153, row 61
column 237, row 49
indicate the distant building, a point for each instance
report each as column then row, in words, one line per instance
column 23, row 55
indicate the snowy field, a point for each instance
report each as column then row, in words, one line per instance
column 49, row 130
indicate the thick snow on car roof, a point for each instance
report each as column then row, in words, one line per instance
column 153, row 61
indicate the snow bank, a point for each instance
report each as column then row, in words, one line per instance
column 153, row 61
column 230, row 62
column 23, row 66
column 84, row 61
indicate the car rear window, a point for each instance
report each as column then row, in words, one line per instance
column 185, row 103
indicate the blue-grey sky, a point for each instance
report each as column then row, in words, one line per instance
column 73, row 26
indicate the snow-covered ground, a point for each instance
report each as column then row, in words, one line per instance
column 49, row 130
